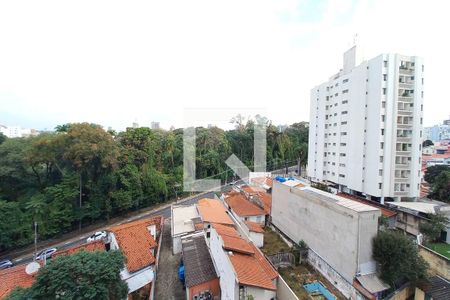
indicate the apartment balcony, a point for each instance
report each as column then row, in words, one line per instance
column 403, row 152
column 405, row 112
column 406, row 71
column 406, row 85
column 404, row 139
column 401, row 179
column 408, row 98
column 402, row 166
column 405, row 126
column 401, row 193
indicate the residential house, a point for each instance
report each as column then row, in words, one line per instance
column 201, row 279
column 244, row 209
column 185, row 220
column 412, row 214
column 138, row 242
column 213, row 211
column 242, row 268
column 436, row 288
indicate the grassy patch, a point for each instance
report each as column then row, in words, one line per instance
column 441, row 248
column 293, row 277
column 273, row 243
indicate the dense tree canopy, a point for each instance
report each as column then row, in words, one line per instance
column 398, row 257
column 84, row 275
column 433, row 227
column 439, row 178
column 40, row 176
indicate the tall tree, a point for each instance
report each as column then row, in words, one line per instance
column 84, row 275
column 398, row 257
column 432, row 229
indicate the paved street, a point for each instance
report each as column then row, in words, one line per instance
column 165, row 212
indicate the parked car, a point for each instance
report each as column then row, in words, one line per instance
column 46, row 254
column 97, row 236
column 5, row 264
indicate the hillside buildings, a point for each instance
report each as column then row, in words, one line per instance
column 365, row 133
column 17, row 131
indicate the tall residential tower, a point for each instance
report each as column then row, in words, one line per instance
column 365, row 133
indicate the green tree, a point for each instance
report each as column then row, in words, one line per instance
column 2, row 138
column 434, row 171
column 15, row 226
column 84, row 275
column 440, row 189
column 427, row 143
column 432, row 228
column 398, row 257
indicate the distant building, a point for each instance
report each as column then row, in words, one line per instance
column 17, row 131
column 135, row 125
column 446, row 122
column 437, row 133
column 155, row 125
column 338, row 231
column 365, row 133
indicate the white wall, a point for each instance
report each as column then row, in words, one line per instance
column 258, row 293
column 257, row 238
column 339, row 235
column 227, row 277
column 176, row 244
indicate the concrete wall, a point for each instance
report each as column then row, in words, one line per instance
column 228, row 281
column 260, row 294
column 439, row 265
column 212, row 286
column 176, row 244
column 342, row 237
column 257, row 238
column 284, row 292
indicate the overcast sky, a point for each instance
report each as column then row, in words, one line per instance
column 114, row 62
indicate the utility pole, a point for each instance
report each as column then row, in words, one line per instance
column 81, row 195
column 35, row 239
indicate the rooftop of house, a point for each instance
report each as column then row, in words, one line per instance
column 423, row 206
column 352, row 205
column 241, row 206
column 384, row 211
column 92, row 246
column 198, row 265
column 249, row 264
column 135, row 241
column 14, row 277
column 436, row 287
column 182, row 219
column 213, row 211
column 253, row 226
column 261, row 194
column 263, row 181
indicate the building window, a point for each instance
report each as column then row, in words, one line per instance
column 385, row 63
column 384, row 91
column 345, row 80
column 208, row 234
column 345, row 112
column 380, row 172
column 342, row 154
column 344, row 91
column 380, row 185
column 343, row 144
column 383, row 117
column 344, row 101
column 343, row 133
column 382, row 131
column 384, row 77
column 381, row 159
column 382, row 145
column 344, row 123
column 342, row 175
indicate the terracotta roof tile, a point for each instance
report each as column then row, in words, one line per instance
column 92, row 246
column 14, row 277
column 250, row 272
column 263, row 181
column 135, row 241
column 241, row 206
column 251, row 267
column 253, row 226
column 236, row 244
column 213, row 211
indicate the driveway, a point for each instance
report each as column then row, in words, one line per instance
column 167, row 284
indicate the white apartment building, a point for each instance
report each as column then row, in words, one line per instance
column 365, row 133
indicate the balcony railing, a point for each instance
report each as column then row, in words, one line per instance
column 404, row 138
column 409, row 98
column 401, row 193
column 407, row 71
column 406, row 112
column 402, row 166
column 406, row 85
column 401, row 125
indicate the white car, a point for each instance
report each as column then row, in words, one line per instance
column 97, row 236
column 46, row 254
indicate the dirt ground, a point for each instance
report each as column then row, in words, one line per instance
column 168, row 287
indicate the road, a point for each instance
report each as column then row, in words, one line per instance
column 164, row 211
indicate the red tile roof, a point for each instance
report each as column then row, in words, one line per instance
column 213, row 211
column 14, row 277
column 135, row 241
column 263, row 181
column 266, row 198
column 92, row 246
column 250, row 272
column 384, row 211
column 253, row 226
column 251, row 267
column 241, row 206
